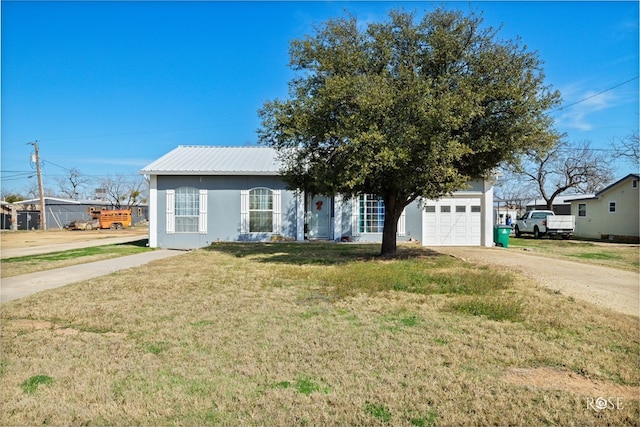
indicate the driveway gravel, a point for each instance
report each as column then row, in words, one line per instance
column 607, row 287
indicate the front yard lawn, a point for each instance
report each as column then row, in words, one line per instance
column 315, row 334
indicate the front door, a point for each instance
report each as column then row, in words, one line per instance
column 319, row 217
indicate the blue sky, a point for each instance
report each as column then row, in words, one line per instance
column 108, row 87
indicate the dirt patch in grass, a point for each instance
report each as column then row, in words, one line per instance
column 559, row 379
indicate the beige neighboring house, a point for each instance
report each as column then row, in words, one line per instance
column 612, row 213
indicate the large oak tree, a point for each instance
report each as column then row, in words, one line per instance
column 407, row 108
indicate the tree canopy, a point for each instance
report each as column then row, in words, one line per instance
column 407, row 108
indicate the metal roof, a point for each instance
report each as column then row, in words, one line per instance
column 208, row 160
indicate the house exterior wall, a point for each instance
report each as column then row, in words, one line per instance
column 600, row 223
column 223, row 210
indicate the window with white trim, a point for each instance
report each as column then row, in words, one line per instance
column 612, row 207
column 582, row 209
column 187, row 210
column 368, row 216
column 371, row 215
column 260, row 210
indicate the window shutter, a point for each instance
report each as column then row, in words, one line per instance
column 170, row 212
column 402, row 230
column 202, row 217
column 244, row 211
column 355, row 216
column 277, row 211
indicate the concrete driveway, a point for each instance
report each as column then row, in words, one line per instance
column 21, row 286
column 45, row 249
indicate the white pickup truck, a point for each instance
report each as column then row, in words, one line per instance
column 540, row 223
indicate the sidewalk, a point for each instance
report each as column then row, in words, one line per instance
column 45, row 249
column 21, row 286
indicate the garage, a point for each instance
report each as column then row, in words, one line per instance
column 452, row 222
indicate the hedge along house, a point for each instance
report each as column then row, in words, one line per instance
column 200, row 195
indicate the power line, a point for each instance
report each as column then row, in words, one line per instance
column 597, row 94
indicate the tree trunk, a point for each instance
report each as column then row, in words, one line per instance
column 392, row 212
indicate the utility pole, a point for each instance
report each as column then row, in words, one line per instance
column 43, row 215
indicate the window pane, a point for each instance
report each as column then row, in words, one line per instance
column 430, row 209
column 475, row 209
column 260, row 221
column 260, row 199
column 445, row 208
column 612, row 206
column 461, row 209
column 186, row 224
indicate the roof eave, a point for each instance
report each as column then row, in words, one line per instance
column 209, row 173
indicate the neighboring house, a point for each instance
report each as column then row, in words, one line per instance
column 611, row 214
column 63, row 211
column 5, row 215
column 200, row 195
column 561, row 204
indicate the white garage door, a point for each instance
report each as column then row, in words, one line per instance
column 452, row 222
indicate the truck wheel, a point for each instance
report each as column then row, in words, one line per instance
column 88, row 227
column 113, row 226
column 518, row 233
column 536, row 232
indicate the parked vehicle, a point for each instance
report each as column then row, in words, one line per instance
column 104, row 218
column 541, row 223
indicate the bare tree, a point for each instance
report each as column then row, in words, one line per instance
column 125, row 191
column 628, row 148
column 32, row 190
column 565, row 167
column 72, row 183
column 513, row 191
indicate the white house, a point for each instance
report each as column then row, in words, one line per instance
column 611, row 214
column 202, row 194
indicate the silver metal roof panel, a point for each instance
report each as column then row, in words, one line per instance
column 209, row 160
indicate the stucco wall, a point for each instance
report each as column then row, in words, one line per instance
column 224, row 212
column 223, row 209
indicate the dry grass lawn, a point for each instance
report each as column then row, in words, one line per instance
column 616, row 255
column 315, row 334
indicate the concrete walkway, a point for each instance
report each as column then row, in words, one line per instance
column 21, row 286
column 45, row 249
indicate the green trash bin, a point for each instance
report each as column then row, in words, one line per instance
column 501, row 235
